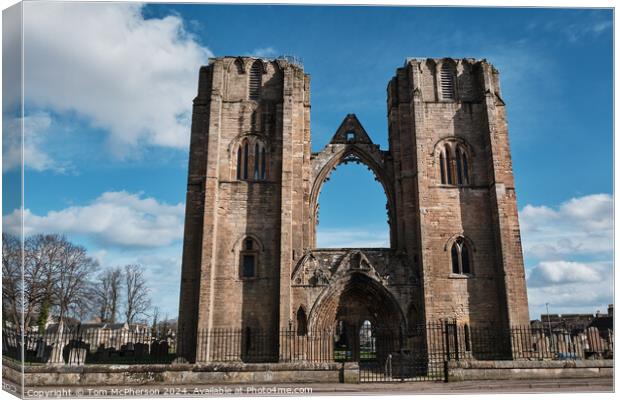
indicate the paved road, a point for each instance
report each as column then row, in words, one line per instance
column 507, row 386
column 154, row 391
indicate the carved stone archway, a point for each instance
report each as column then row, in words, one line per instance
column 351, row 143
column 346, row 304
column 356, row 296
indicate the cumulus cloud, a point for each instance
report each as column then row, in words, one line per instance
column 559, row 272
column 36, row 130
column 338, row 238
column 579, row 226
column 571, row 248
column 114, row 218
column 131, row 76
column 570, row 287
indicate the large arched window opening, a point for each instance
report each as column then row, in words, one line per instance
column 352, row 210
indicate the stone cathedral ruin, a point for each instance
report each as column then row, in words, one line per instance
column 250, row 260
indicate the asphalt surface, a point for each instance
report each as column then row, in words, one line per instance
column 318, row 389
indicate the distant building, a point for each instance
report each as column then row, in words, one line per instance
column 573, row 323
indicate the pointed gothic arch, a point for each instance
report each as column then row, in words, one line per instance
column 365, row 295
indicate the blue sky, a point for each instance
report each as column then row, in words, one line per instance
column 109, row 89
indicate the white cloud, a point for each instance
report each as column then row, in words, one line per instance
column 560, row 272
column 36, row 129
column 11, row 144
column 131, row 76
column 594, row 212
column 343, row 238
column 579, row 226
column 264, row 52
column 555, row 237
column 570, row 298
column 114, row 218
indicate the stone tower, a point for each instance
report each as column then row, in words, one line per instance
column 250, row 260
column 453, row 171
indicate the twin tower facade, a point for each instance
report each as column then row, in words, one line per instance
column 250, row 259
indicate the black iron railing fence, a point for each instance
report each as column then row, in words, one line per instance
column 421, row 346
column 247, row 345
column 526, row 343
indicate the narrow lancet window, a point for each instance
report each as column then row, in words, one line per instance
column 464, row 259
column 256, row 162
column 263, row 168
column 455, row 259
column 448, row 166
column 239, row 158
column 465, row 169
column 442, row 168
column 245, row 160
column 459, row 167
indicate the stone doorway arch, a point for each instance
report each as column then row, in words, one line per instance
column 353, row 299
column 351, row 143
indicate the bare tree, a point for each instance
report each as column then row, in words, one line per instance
column 40, row 257
column 137, row 293
column 11, row 278
column 107, row 294
column 72, row 287
column 55, row 274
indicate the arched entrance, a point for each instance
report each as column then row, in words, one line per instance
column 355, row 307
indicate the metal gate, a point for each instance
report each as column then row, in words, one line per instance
column 404, row 355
